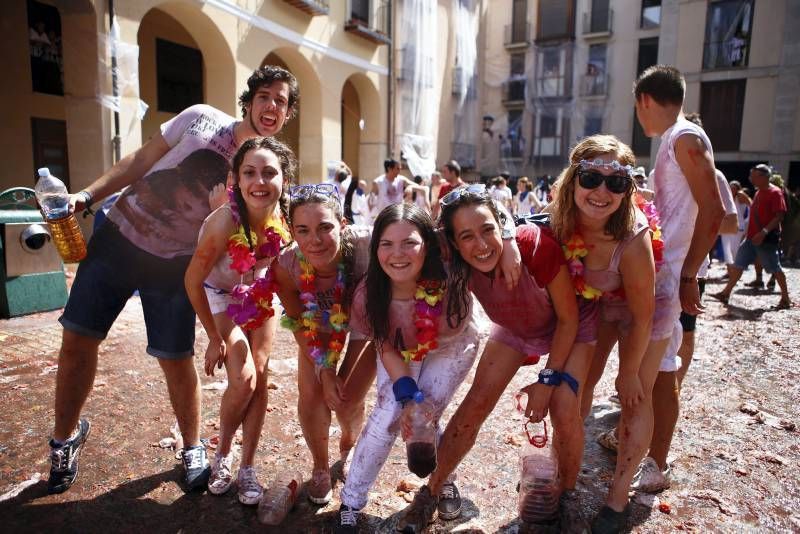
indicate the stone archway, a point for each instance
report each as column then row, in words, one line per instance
column 362, row 129
column 185, row 25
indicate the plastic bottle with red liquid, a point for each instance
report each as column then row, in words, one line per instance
column 279, row 498
column 539, row 487
column 53, row 198
column 421, row 442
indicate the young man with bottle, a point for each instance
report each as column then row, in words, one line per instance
column 145, row 245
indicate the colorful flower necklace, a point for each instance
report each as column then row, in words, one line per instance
column 427, row 309
column 253, row 303
column 575, row 249
column 336, row 316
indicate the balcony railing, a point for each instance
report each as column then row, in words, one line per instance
column 728, row 54
column 312, row 7
column 464, row 154
column 517, row 35
column 514, row 91
column 373, row 29
column 598, row 21
column 594, row 85
column 552, row 86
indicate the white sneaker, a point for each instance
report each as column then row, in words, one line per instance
column 651, row 479
column 249, row 489
column 221, row 474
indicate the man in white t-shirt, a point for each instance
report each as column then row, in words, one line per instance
column 388, row 188
column 501, row 193
column 688, row 201
column 145, row 244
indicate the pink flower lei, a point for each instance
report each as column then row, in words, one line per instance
column 253, row 303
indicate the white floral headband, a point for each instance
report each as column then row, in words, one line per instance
column 601, row 165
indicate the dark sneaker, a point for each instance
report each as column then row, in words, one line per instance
column 420, row 513
column 347, row 520
column 64, row 459
column 608, row 521
column 449, row 502
column 755, row 284
column 196, row 466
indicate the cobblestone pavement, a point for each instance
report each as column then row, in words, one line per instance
column 735, row 454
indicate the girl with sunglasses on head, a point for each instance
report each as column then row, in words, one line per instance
column 316, row 277
column 230, row 289
column 422, row 357
column 539, row 316
column 613, row 247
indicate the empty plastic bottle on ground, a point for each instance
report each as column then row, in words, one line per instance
column 539, row 487
column 53, row 197
column 421, row 443
column 279, row 498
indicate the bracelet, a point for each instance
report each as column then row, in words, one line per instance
column 405, row 389
column 688, row 279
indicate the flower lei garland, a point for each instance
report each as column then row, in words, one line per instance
column 336, row 316
column 427, row 309
column 575, row 250
column 253, row 303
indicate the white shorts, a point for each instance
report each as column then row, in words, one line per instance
column 671, row 362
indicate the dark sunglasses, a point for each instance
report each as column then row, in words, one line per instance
column 615, row 183
column 455, row 194
column 307, row 190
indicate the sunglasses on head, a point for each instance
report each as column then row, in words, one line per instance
column 455, row 194
column 307, row 190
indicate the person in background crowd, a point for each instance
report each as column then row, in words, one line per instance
column 763, row 236
column 451, row 172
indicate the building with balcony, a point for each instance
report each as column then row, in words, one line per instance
column 59, row 108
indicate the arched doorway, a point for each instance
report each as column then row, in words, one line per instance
column 183, row 60
column 351, row 127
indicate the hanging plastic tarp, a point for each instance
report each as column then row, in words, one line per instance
column 465, row 29
column 418, row 88
column 419, row 153
column 126, row 72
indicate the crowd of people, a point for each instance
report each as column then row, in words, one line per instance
column 377, row 283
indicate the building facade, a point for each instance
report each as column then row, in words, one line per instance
column 567, row 68
column 59, row 107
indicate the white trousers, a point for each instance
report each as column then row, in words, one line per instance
column 438, row 376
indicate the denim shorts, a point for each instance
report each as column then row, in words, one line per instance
column 766, row 252
column 113, row 269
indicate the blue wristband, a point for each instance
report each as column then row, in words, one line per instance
column 405, row 389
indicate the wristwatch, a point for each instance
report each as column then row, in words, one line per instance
column 549, row 377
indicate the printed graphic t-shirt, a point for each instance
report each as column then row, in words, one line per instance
column 162, row 212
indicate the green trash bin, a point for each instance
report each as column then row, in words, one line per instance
column 31, row 270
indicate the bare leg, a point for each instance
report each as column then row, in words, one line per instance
column 780, row 277
column 256, row 410
column 314, row 414
column 77, row 365
column 607, row 335
column 734, row 274
column 686, row 352
column 184, row 394
column 566, row 417
column 636, row 428
column 358, row 372
column 666, row 407
column 497, row 367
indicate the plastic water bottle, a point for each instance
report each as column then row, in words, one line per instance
column 279, row 498
column 53, row 197
column 421, row 443
column 539, row 487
